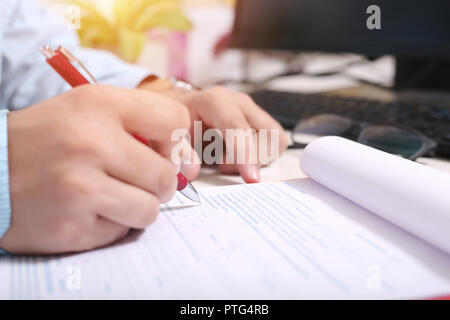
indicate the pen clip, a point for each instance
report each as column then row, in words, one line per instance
column 73, row 60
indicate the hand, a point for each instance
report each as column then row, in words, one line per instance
column 78, row 178
column 223, row 109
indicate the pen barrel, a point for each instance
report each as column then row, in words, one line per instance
column 66, row 70
column 182, row 181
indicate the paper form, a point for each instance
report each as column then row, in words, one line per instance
column 275, row 240
column 408, row 194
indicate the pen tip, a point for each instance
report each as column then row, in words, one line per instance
column 191, row 193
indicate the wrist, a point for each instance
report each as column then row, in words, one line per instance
column 171, row 87
column 155, row 84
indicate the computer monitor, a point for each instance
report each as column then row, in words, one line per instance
column 417, row 32
column 410, row 28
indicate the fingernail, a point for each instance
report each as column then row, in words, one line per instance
column 253, row 173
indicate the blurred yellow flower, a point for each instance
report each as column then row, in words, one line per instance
column 125, row 32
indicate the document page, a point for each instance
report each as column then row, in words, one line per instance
column 288, row 240
column 408, row 194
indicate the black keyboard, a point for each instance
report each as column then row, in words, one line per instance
column 432, row 120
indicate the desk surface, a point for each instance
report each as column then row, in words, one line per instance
column 288, row 168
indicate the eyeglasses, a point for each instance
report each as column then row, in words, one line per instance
column 402, row 141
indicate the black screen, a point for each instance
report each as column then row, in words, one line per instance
column 409, row 28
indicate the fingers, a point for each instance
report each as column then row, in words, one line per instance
column 114, row 208
column 138, row 165
column 260, row 119
column 257, row 117
column 148, row 114
column 182, row 155
column 157, row 117
column 190, row 161
column 103, row 232
column 228, row 110
column 125, row 205
column 248, row 172
column 243, row 148
column 153, row 116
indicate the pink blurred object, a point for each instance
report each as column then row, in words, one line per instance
column 178, row 55
column 166, row 53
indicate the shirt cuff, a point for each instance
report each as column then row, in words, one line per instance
column 5, row 203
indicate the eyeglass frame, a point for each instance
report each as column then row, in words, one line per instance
column 357, row 129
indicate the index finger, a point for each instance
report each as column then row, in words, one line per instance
column 145, row 113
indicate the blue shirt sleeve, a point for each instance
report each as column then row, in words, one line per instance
column 27, row 78
column 5, row 203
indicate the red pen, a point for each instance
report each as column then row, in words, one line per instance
column 63, row 62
